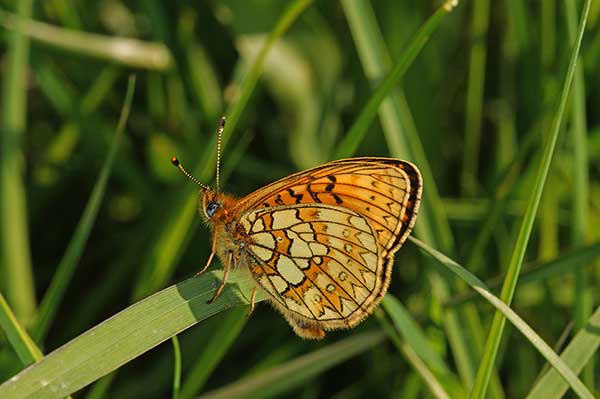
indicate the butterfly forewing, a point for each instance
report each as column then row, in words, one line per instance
column 384, row 191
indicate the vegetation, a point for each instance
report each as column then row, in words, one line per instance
column 101, row 237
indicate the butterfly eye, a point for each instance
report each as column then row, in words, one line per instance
column 211, row 208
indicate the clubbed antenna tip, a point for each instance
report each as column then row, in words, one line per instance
column 179, row 166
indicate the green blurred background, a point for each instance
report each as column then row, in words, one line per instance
column 480, row 96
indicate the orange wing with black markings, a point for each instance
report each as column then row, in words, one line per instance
column 324, row 239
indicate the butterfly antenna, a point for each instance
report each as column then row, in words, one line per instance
column 219, row 134
column 179, row 166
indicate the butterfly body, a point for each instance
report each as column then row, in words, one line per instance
column 320, row 242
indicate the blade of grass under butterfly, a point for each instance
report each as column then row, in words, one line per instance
column 128, row 334
column 20, row 341
column 580, row 351
column 131, row 52
column 567, row 262
column 580, row 209
column 545, row 350
column 493, row 341
column 15, row 265
column 66, row 268
column 404, row 142
column 282, row 378
column 222, row 339
column 177, row 227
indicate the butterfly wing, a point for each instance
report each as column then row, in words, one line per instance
column 385, row 191
column 324, row 238
column 320, row 263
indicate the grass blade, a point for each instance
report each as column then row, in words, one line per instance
column 133, row 331
column 555, row 361
column 577, row 354
column 564, row 263
column 359, row 129
column 474, row 106
column 493, row 341
column 223, row 338
column 15, row 256
column 131, row 52
column 177, row 366
column 284, row 377
column 416, row 340
column 581, row 189
column 21, row 342
column 68, row 264
column 436, row 386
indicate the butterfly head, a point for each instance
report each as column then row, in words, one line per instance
column 210, row 202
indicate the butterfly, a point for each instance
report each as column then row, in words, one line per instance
column 320, row 242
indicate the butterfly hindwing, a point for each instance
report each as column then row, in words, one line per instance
column 319, row 262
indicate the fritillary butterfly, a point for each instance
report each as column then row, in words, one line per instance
column 320, row 242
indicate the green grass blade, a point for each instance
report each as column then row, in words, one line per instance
column 567, row 262
column 289, row 375
column 493, row 341
column 359, row 129
column 20, row 341
column 223, row 337
column 577, row 354
column 418, row 351
column 435, row 385
column 15, row 262
column 290, row 15
column 545, row 350
column 128, row 334
column 66, row 268
column 131, row 52
column 474, row 106
column 581, row 189
column 176, row 367
column 412, row 333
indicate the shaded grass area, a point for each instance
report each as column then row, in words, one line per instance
column 471, row 97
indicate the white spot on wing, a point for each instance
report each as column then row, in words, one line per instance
column 302, row 228
column 329, row 314
column 279, row 283
column 289, row 271
column 317, row 248
column 359, row 223
column 259, row 225
column 284, row 219
column 370, row 260
column 264, row 239
column 262, row 253
column 302, row 263
column 299, row 248
column 367, row 241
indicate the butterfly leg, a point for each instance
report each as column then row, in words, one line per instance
column 252, row 298
column 225, row 274
column 210, row 257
